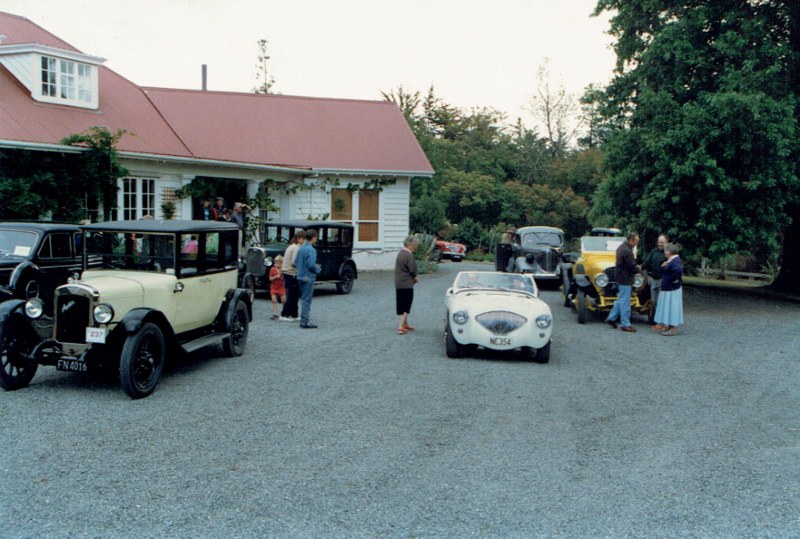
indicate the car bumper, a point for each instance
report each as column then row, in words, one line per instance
column 472, row 333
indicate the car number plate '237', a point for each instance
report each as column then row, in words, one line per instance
column 97, row 335
column 500, row 341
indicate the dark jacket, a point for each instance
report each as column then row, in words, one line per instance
column 405, row 270
column 652, row 263
column 626, row 264
column 672, row 278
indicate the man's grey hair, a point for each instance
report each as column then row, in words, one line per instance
column 410, row 240
column 673, row 248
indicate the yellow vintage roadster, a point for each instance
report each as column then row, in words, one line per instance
column 589, row 283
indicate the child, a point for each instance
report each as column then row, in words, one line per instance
column 276, row 287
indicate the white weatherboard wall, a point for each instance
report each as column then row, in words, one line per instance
column 394, row 228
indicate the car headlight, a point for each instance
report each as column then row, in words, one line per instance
column 638, row 280
column 34, row 308
column 103, row 313
column 268, row 261
column 460, row 317
column 544, row 320
column 601, row 280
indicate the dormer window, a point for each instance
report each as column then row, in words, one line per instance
column 65, row 79
column 52, row 75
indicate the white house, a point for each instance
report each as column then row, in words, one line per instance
column 352, row 160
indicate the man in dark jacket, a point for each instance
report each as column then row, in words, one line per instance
column 626, row 270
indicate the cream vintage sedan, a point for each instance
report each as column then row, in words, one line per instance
column 497, row 311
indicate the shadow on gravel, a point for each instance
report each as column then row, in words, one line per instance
column 486, row 354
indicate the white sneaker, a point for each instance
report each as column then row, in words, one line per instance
column 287, row 319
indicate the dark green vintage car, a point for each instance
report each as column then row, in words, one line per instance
column 334, row 253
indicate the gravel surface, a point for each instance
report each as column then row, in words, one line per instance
column 350, row 430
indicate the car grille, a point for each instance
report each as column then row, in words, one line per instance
column 72, row 317
column 547, row 260
column 5, row 276
column 501, row 322
column 612, row 288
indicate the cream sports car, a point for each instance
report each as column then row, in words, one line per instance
column 498, row 311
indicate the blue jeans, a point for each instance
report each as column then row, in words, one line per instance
column 306, row 293
column 622, row 307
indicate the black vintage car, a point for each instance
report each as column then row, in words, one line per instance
column 35, row 258
column 536, row 249
column 334, row 253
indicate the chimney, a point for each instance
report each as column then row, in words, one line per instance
column 205, row 77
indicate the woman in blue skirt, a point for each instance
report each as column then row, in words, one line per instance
column 669, row 310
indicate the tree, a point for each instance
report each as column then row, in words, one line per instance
column 265, row 78
column 705, row 109
column 554, row 108
column 101, row 168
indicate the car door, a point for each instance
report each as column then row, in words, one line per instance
column 195, row 290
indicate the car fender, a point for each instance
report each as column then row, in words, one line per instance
column 18, row 276
column 11, row 308
column 136, row 318
column 349, row 263
column 581, row 279
column 232, row 297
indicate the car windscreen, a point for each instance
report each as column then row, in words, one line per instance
column 600, row 244
column 132, row 250
column 553, row 239
column 17, row 242
column 501, row 281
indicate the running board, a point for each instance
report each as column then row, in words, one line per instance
column 202, row 342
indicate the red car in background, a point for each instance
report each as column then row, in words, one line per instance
column 448, row 249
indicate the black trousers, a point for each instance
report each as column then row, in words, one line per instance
column 292, row 296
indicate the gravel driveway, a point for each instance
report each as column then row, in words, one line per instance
column 350, row 430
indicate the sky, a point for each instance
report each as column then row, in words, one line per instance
column 474, row 53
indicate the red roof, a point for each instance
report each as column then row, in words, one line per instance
column 335, row 134
column 292, row 131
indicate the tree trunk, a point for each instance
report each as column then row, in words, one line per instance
column 789, row 277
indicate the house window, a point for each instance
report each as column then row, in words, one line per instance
column 67, row 80
column 359, row 208
column 85, row 83
column 368, row 210
column 138, row 198
column 48, row 76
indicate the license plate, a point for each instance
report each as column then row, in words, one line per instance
column 500, row 341
column 97, row 335
column 74, row 365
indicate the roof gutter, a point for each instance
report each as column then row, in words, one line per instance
column 213, row 162
column 371, row 172
column 41, row 146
